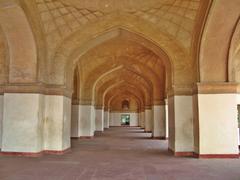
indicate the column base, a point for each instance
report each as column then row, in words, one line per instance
column 83, row 137
column 160, row 138
column 181, row 154
column 98, row 133
column 216, row 156
column 57, row 152
column 35, row 154
column 86, row 137
column 75, row 137
column 22, row 154
column 148, row 131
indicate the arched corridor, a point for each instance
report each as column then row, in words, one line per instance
column 157, row 78
column 119, row 153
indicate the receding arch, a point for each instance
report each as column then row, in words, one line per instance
column 116, row 72
column 142, row 91
column 234, row 55
column 144, row 97
column 155, row 81
column 124, row 94
column 176, row 59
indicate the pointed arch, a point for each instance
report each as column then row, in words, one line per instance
column 176, row 60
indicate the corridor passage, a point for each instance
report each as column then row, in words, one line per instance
column 120, row 153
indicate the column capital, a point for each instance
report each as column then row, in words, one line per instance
column 180, row 90
column 158, row 102
column 86, row 102
column 148, row 107
column 99, row 107
column 36, row 88
column 216, row 88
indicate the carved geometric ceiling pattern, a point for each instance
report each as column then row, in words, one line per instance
column 176, row 18
column 61, row 18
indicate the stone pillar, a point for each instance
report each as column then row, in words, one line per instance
column 148, row 120
column 139, row 119
column 166, row 118
column 142, row 125
column 180, row 115
column 87, row 121
column 35, row 123
column 159, row 122
column 22, row 123
column 106, row 118
column 75, row 121
column 99, row 119
column 57, row 123
column 238, row 107
column 215, row 120
column 1, row 118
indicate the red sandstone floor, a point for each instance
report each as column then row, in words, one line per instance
column 119, row 154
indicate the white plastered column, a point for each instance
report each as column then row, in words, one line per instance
column 106, row 119
column 75, row 121
column 33, row 123
column 57, row 123
column 1, row 119
column 238, row 106
column 142, row 125
column 215, row 125
column 22, row 123
column 99, row 119
column 87, row 121
column 148, row 125
column 159, row 122
column 139, row 119
column 166, row 118
column 180, row 115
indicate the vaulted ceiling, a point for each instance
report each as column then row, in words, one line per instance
column 121, row 63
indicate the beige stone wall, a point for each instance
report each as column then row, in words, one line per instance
column 1, row 118
column 3, row 58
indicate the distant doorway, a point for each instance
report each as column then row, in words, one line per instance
column 125, row 119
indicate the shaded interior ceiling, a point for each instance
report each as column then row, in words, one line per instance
column 121, row 68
